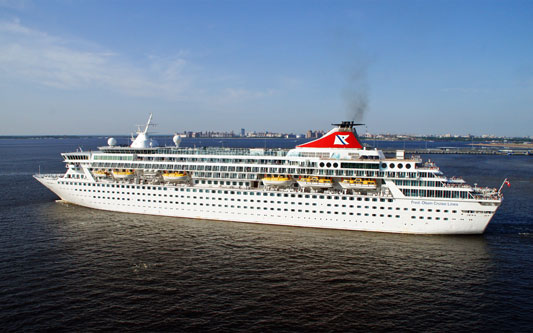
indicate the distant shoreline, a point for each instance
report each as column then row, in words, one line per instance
column 6, row 137
column 478, row 141
column 508, row 145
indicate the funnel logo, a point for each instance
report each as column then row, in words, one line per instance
column 341, row 140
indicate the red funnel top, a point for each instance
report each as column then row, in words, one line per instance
column 334, row 139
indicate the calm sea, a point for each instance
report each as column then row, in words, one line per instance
column 69, row 268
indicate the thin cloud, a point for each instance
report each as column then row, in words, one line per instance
column 30, row 55
column 52, row 61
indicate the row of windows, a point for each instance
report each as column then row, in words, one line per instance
column 435, row 193
column 76, row 176
column 477, row 211
column 222, row 182
column 217, row 160
column 231, row 199
column 253, row 207
column 113, row 198
column 429, row 218
column 77, row 157
column 262, row 208
column 241, row 172
column 427, row 175
column 216, row 171
column 280, row 202
column 346, row 165
column 252, row 200
column 275, row 209
column 286, row 195
column 114, row 157
column 392, row 165
column 394, row 174
column 421, row 183
column 257, row 193
column 293, row 203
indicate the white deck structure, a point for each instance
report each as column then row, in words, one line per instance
column 225, row 184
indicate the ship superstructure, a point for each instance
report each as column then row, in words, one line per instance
column 332, row 182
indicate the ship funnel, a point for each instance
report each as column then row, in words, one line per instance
column 343, row 135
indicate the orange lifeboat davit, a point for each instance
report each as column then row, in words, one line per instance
column 175, row 177
column 100, row 173
column 315, row 182
column 277, row 181
column 359, row 184
column 123, row 174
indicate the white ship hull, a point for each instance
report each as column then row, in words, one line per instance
column 227, row 184
column 350, row 212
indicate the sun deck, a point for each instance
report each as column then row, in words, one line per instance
column 195, row 151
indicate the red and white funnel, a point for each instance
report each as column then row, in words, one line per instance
column 342, row 136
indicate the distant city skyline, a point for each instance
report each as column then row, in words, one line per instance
column 312, row 134
column 418, row 67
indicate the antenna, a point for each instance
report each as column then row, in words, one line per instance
column 148, row 123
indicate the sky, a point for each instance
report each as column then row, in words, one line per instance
column 404, row 67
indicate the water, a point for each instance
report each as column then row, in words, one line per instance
column 69, row 268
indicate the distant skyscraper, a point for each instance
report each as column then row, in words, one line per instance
column 243, row 132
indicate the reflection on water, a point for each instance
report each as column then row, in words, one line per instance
column 71, row 268
column 232, row 275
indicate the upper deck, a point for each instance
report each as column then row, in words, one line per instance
column 195, row 151
column 336, row 159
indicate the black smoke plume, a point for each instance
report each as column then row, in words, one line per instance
column 355, row 93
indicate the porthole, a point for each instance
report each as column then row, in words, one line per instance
column 335, row 165
column 408, row 166
column 321, row 164
column 383, row 165
column 391, row 165
column 328, row 165
column 400, row 165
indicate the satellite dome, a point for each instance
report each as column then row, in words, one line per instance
column 177, row 139
column 112, row 142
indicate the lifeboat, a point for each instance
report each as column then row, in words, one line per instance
column 175, row 177
column 315, row 182
column 123, row 174
column 100, row 173
column 358, row 183
column 277, row 181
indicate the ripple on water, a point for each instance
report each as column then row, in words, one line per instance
column 70, row 268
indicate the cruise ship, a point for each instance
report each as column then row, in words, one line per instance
column 332, row 182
